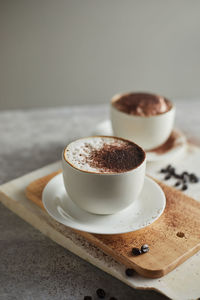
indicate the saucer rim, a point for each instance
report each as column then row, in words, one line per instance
column 163, row 199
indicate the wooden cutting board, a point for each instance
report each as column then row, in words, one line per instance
column 172, row 239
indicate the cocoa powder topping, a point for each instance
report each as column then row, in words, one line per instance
column 116, row 158
column 142, row 104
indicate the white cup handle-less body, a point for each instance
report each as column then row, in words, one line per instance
column 103, row 193
column 148, row 132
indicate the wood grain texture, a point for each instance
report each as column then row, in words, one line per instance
column 168, row 248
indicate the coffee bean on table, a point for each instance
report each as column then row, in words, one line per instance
column 185, row 177
column 177, row 176
column 87, row 298
column 145, row 248
column 185, row 173
column 163, row 171
column 167, row 177
column 193, row 178
column 101, row 293
column 184, row 187
column 113, row 298
column 130, row 272
column 172, row 170
column 136, row 251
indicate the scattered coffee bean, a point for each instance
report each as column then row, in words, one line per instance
column 183, row 178
column 177, row 176
column 130, row 272
column 193, row 178
column 145, row 248
column 101, row 293
column 184, row 187
column 113, row 298
column 87, row 298
column 136, row 251
column 172, row 170
column 180, row 234
column 167, row 177
column 185, row 173
column 163, row 171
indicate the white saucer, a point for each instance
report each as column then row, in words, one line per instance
column 148, row 208
column 105, row 128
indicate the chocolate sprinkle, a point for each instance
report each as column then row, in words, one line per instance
column 142, row 104
column 116, row 158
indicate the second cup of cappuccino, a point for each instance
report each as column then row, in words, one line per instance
column 147, row 119
column 103, row 175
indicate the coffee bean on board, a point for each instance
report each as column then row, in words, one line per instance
column 130, row 272
column 193, row 178
column 136, row 251
column 145, row 248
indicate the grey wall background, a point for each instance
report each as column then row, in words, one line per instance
column 83, row 51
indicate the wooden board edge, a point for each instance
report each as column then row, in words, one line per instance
column 5, row 200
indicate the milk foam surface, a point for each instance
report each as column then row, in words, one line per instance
column 78, row 152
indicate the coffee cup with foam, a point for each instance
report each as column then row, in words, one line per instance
column 103, row 175
column 147, row 119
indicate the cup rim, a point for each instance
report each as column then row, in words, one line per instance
column 106, row 173
column 119, row 95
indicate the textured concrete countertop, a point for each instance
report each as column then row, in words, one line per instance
column 31, row 265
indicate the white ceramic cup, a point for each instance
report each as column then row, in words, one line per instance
column 103, row 193
column 147, row 131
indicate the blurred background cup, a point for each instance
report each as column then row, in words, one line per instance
column 147, row 131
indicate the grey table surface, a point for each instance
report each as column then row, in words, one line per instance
column 31, row 265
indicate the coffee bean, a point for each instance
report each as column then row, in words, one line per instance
column 185, row 177
column 101, row 293
column 193, row 178
column 145, row 248
column 172, row 170
column 177, row 176
column 87, row 298
column 163, row 171
column 185, row 173
column 184, row 187
column 167, row 177
column 130, row 272
column 113, row 298
column 136, row 251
